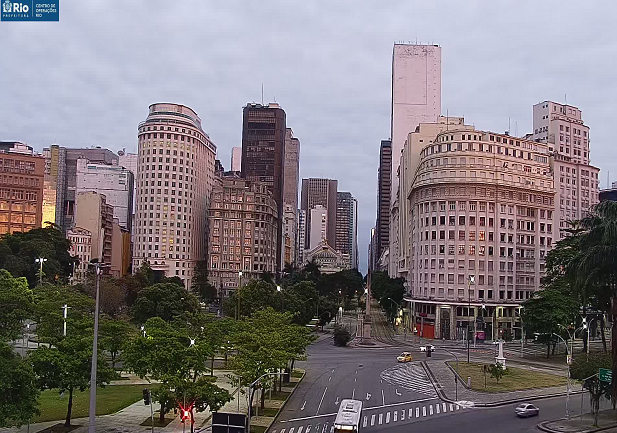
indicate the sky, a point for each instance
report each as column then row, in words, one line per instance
column 88, row 79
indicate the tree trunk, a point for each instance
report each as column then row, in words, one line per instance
column 212, row 366
column 555, row 347
column 602, row 324
column 263, row 398
column 113, row 360
column 614, row 349
column 69, row 410
column 280, row 381
column 162, row 414
column 548, row 350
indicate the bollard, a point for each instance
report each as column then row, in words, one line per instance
column 469, row 382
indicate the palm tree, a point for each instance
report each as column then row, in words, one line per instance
column 598, row 259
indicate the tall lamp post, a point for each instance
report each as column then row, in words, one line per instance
column 238, row 295
column 92, row 420
column 40, row 260
column 278, row 289
column 472, row 280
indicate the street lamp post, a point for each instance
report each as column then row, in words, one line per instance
column 92, row 420
column 278, row 289
column 471, row 281
column 40, row 260
column 238, row 295
column 65, row 309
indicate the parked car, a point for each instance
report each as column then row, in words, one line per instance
column 404, row 357
column 526, row 409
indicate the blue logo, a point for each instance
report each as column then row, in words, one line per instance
column 30, row 10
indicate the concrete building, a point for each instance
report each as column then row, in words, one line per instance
column 263, row 155
column 21, row 188
column 120, row 251
column 61, row 175
column 290, row 196
column 301, row 234
column 236, row 159
column 129, row 160
column 561, row 127
column 384, row 184
column 96, row 216
column 346, row 226
column 327, row 258
column 318, row 226
column 609, row 193
column 242, row 236
column 477, row 204
column 81, row 247
column 320, row 192
column 175, row 176
column 115, row 182
column 372, row 250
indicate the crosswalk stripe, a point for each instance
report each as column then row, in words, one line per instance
column 437, row 407
column 409, row 376
column 410, row 415
column 423, row 410
column 300, row 429
column 430, row 409
column 364, row 421
column 282, row 430
column 325, row 426
column 387, row 417
column 457, row 407
column 380, row 418
column 372, row 420
column 444, row 407
column 308, row 429
column 403, row 415
column 395, row 415
column 451, row 407
column 417, row 412
column 332, row 429
column 291, row 430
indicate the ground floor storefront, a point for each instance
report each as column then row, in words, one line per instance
column 452, row 321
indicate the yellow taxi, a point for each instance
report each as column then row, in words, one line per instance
column 404, row 357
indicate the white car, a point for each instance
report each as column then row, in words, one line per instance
column 525, row 410
column 424, row 346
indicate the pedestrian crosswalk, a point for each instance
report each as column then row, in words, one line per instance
column 411, row 377
column 371, row 417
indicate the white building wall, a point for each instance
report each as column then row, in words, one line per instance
column 319, row 226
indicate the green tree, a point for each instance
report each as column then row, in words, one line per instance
column 114, row 334
column 341, row 336
column 163, row 300
column 133, row 284
column 17, row 303
column 497, row 371
column 386, row 290
column 200, row 286
column 67, row 366
column 545, row 311
column 19, row 392
column 585, row 369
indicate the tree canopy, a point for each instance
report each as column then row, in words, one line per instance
column 163, row 300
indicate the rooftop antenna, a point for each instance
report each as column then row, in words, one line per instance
column 262, row 93
column 608, row 179
column 565, row 97
column 274, row 98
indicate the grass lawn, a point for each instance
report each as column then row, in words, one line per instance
column 258, row 428
column 110, row 399
column 268, row 411
column 157, row 421
column 282, row 395
column 515, row 379
column 296, row 374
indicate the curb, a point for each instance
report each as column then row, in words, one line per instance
column 442, row 395
column 543, row 426
column 285, row 402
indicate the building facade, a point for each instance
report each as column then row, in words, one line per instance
column 236, row 159
column 115, row 182
column 175, row 176
column 290, row 195
column 384, row 184
column 96, row 216
column 129, row 160
column 301, row 238
column 318, row 226
column 609, row 193
column 21, row 188
column 480, row 209
column 346, row 243
column 561, row 127
column 242, row 236
column 327, row 258
column 320, row 192
column 81, row 247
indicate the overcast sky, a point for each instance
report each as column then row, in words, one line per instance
column 89, row 78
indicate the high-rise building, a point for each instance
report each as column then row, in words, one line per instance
column 120, row 250
column 609, row 193
column 290, row 196
column 236, row 159
column 384, row 183
column 301, row 234
column 175, row 176
column 81, row 247
column 115, row 182
column 95, row 215
column 318, row 226
column 346, row 208
column 480, row 215
column 263, row 155
column 129, row 160
column 61, row 174
column 561, row 127
column 320, row 192
column 242, row 235
column 21, row 188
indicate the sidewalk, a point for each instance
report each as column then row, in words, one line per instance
column 443, row 379
column 607, row 422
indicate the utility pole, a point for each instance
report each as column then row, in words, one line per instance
column 238, row 295
column 40, row 260
column 469, row 283
column 92, row 418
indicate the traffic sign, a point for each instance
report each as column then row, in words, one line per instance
column 605, row 375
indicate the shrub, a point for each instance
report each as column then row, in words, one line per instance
column 341, row 336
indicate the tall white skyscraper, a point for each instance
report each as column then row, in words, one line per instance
column 236, row 159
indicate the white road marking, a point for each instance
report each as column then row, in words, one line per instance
column 303, row 405
column 380, row 418
column 410, row 415
column 387, row 417
column 325, row 426
column 368, row 396
column 353, row 394
column 300, row 429
column 403, row 415
column 291, row 430
column 364, row 421
column 336, row 401
column 372, row 420
column 423, row 410
column 395, row 416
column 321, row 401
column 437, row 407
column 451, row 407
column 355, row 379
column 383, row 399
column 401, row 403
column 444, row 407
column 417, row 412
column 430, row 409
column 332, row 429
column 330, row 378
column 332, row 370
column 308, row 417
column 397, row 393
column 457, row 407
column 308, row 429
column 282, row 430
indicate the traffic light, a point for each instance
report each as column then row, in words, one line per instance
column 146, row 393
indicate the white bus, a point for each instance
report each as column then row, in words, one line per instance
column 348, row 417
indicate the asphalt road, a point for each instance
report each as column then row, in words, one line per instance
column 394, row 396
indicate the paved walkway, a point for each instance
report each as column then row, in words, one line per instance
column 606, row 422
column 450, row 390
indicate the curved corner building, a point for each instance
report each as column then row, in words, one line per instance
column 175, row 174
column 476, row 204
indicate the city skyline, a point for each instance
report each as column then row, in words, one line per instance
column 344, row 149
